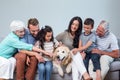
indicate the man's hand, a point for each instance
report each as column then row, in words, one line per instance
column 28, row 61
column 97, row 51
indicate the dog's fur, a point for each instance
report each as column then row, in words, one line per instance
column 62, row 57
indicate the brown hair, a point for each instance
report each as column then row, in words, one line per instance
column 89, row 21
column 33, row 21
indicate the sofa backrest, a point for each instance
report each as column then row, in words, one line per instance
column 0, row 39
column 119, row 43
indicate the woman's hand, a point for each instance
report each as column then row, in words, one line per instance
column 74, row 51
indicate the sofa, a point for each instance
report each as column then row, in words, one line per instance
column 113, row 73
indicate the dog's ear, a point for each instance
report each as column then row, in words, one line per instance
column 66, row 49
column 67, row 60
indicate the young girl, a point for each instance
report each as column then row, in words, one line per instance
column 45, row 40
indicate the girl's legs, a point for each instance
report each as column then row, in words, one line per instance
column 48, row 69
column 41, row 69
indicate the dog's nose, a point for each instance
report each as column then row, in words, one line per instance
column 58, row 57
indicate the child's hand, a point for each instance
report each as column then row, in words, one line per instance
column 83, row 54
column 49, row 54
column 39, row 58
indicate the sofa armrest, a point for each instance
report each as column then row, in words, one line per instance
column 115, row 66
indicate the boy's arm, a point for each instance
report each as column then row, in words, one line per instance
column 82, row 48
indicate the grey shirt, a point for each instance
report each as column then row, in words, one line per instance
column 85, row 38
column 66, row 39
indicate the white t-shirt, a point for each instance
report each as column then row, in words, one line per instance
column 49, row 47
column 108, row 43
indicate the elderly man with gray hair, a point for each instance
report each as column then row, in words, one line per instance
column 10, row 45
column 107, row 47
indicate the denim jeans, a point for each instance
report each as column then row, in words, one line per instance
column 45, row 70
column 95, row 58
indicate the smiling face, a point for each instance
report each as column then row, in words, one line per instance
column 100, row 31
column 34, row 29
column 48, row 36
column 74, row 26
column 87, row 29
column 20, row 33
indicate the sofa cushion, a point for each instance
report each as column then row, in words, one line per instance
column 115, row 66
column 55, row 70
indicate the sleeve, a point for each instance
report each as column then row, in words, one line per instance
column 19, row 44
column 37, row 44
column 93, row 38
column 56, row 43
column 60, row 36
column 114, row 43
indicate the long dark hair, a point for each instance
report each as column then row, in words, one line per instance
column 41, row 35
column 78, row 32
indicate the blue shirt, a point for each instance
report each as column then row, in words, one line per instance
column 10, row 44
column 28, row 38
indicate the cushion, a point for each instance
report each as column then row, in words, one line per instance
column 115, row 66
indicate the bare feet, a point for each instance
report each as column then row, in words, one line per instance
column 86, row 76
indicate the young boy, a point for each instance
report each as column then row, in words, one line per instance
column 86, row 44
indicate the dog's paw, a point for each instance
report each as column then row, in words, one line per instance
column 68, row 68
column 60, row 71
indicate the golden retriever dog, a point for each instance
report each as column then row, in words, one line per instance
column 62, row 57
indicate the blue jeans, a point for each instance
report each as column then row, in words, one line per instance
column 45, row 70
column 95, row 58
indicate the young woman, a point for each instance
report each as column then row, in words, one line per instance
column 70, row 38
column 10, row 45
column 45, row 41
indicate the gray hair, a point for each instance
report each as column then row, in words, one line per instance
column 17, row 25
column 105, row 25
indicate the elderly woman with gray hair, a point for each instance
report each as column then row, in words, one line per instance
column 107, row 47
column 10, row 45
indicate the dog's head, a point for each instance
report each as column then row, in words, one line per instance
column 62, row 54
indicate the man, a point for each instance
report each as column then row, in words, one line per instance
column 23, row 59
column 107, row 47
